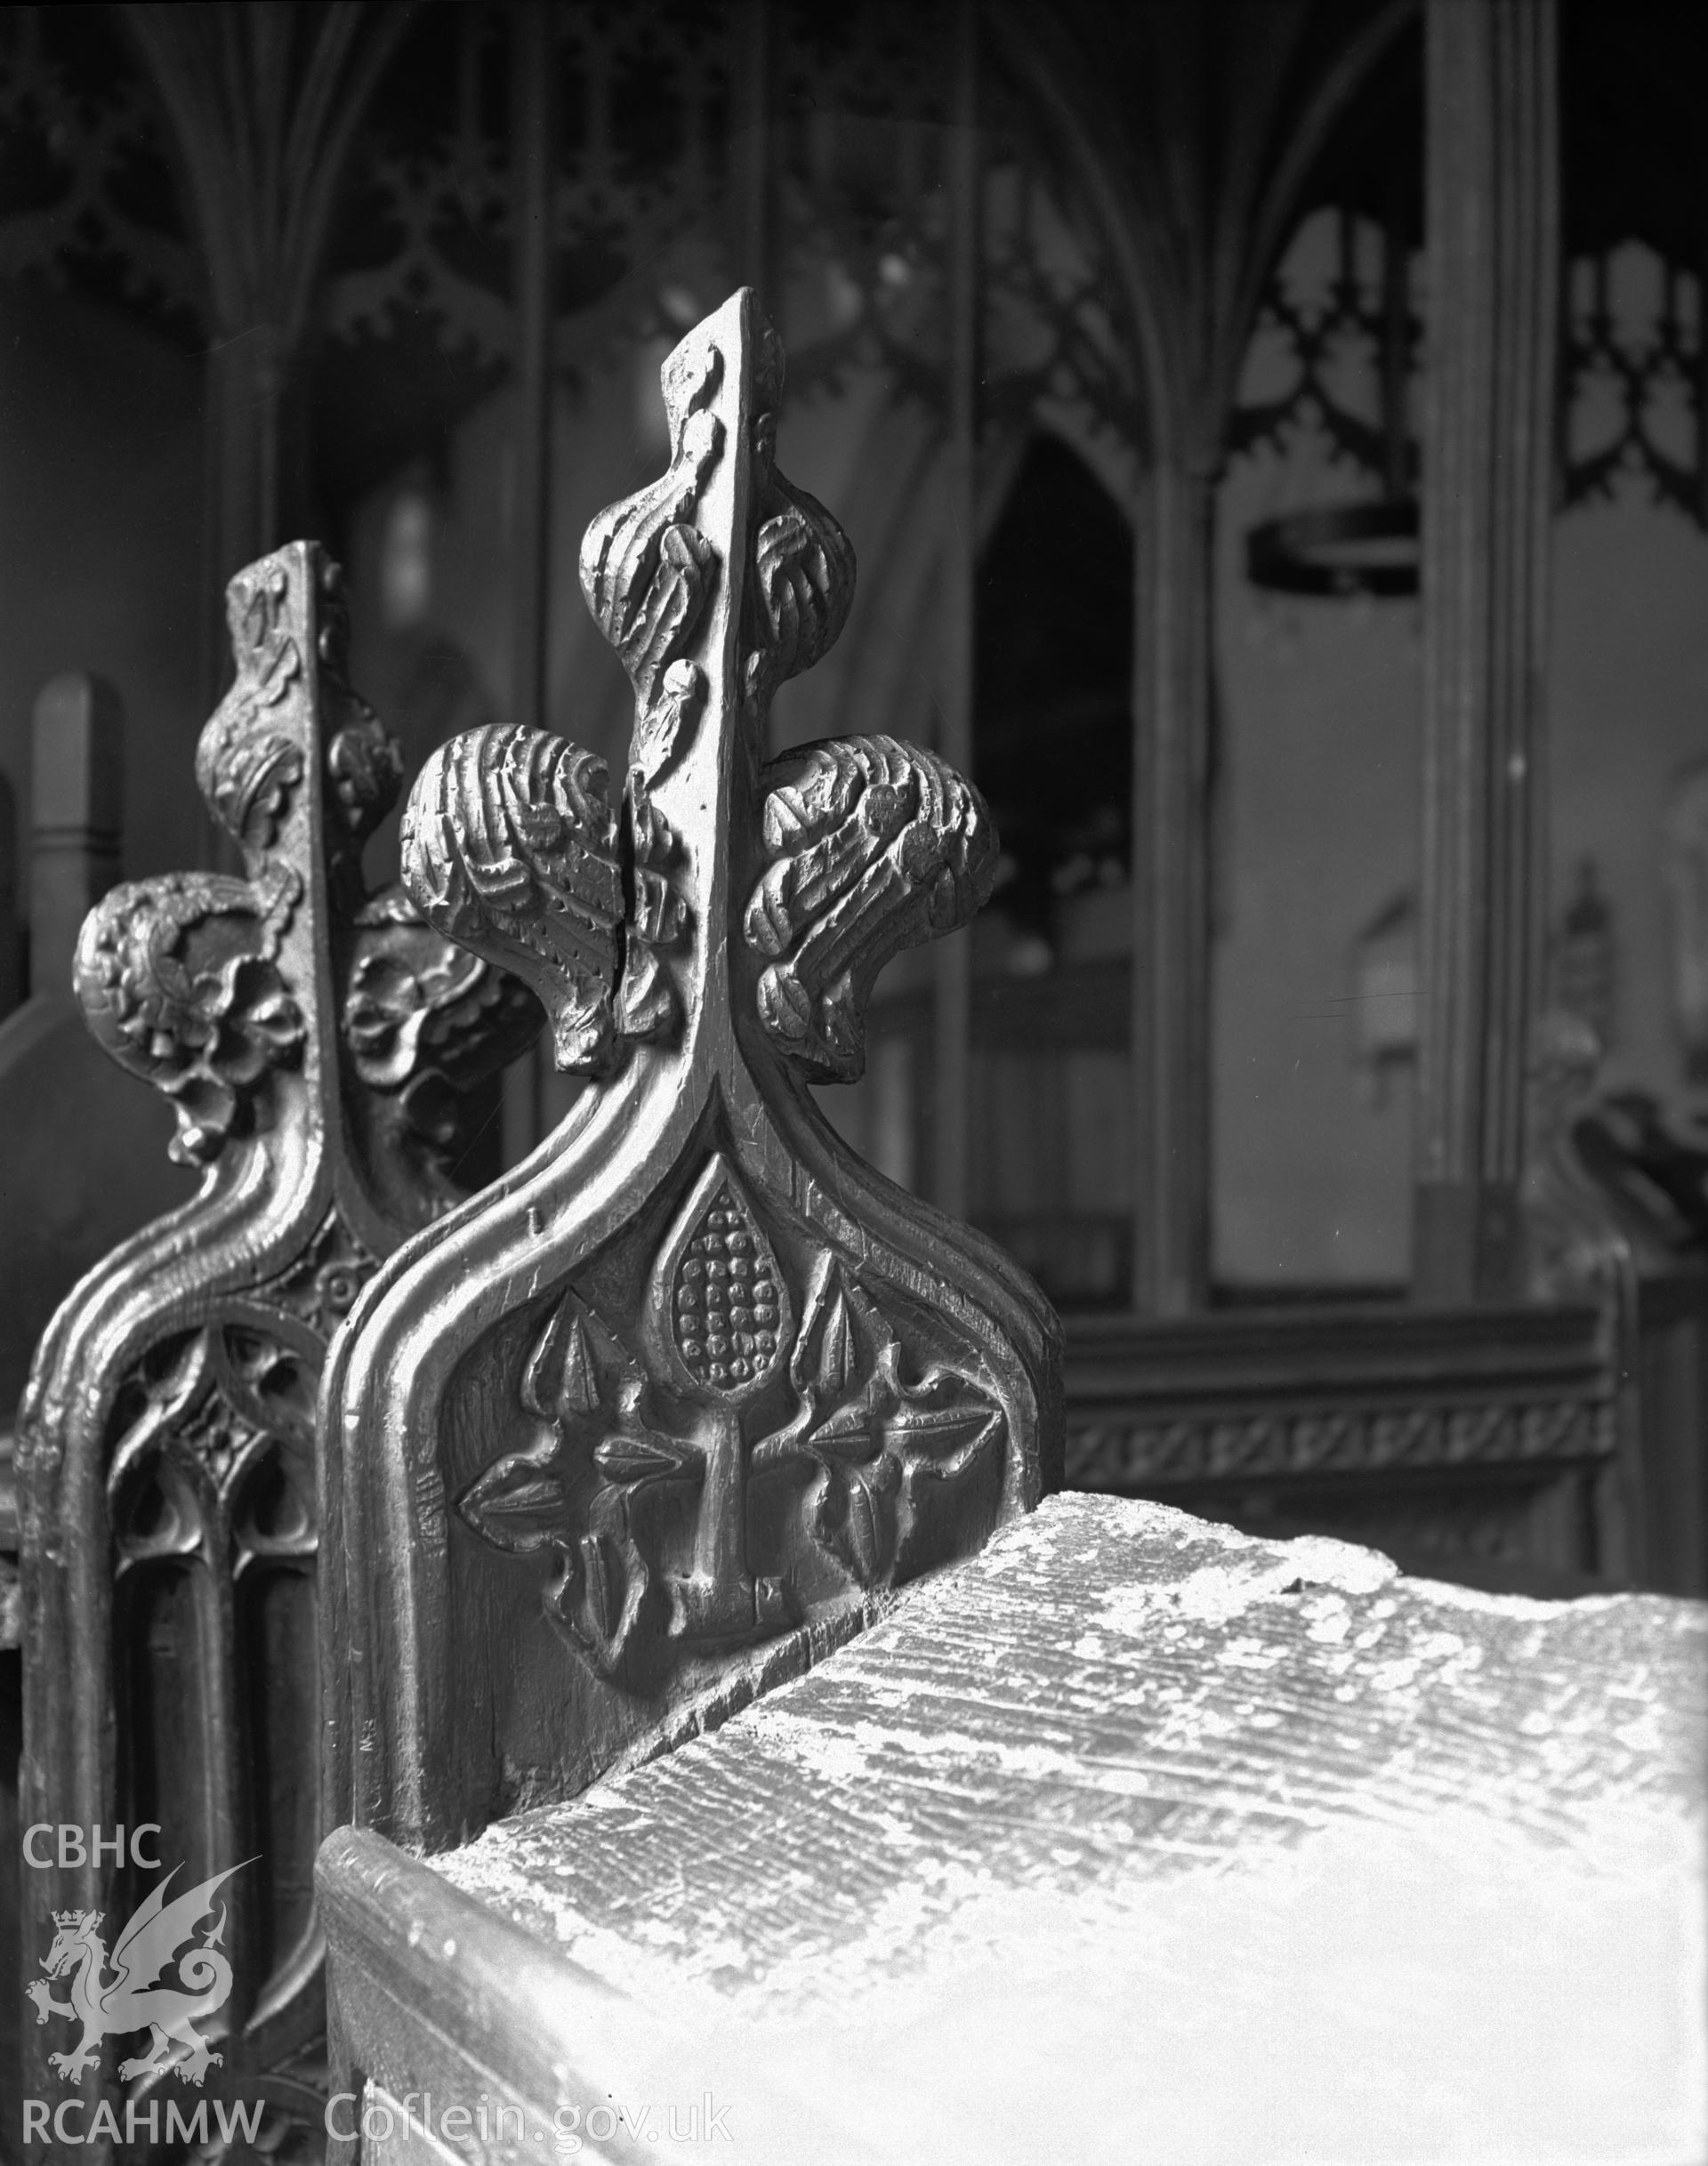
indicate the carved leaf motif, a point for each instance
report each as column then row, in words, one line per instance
column 661, row 728
column 648, row 1004
column 875, row 846
column 510, row 847
column 570, row 1491
column 833, row 1333
column 801, row 586
column 664, row 594
column 250, row 757
column 252, row 786
column 560, row 1383
column 646, row 569
column 660, row 915
column 854, row 1517
column 633, row 1456
column 871, row 1434
column 801, row 589
column 517, row 1504
column 607, row 1589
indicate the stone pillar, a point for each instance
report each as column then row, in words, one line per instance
column 263, row 101
column 533, row 284
column 1494, row 241
column 951, row 961
column 535, row 259
column 76, row 813
column 1170, row 812
column 11, row 944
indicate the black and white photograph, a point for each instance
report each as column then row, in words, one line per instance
column 854, row 1082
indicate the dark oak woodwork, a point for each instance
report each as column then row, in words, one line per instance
column 1546, row 1445
column 1471, row 1442
column 12, row 1726
column 677, row 1402
column 311, row 1040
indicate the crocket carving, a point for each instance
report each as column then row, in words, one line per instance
column 315, row 1044
column 692, row 1387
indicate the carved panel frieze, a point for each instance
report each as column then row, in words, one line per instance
column 692, row 1383
column 1125, row 1455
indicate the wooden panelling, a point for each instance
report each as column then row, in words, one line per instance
column 1476, row 1439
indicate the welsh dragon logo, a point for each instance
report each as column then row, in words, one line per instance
column 160, row 1934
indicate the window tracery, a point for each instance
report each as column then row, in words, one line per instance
column 1632, row 366
column 85, row 176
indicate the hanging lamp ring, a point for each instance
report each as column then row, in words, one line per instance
column 1339, row 551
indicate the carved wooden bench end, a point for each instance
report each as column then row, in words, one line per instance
column 311, row 1039
column 687, row 1393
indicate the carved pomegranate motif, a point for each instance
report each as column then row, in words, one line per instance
column 724, row 1382
column 721, row 1288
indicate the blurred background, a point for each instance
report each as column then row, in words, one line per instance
column 1294, row 408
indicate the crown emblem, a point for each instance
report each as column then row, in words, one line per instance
column 75, row 1918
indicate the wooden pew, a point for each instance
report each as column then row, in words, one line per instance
column 311, row 1042
column 1133, row 1838
column 11, row 1739
column 1490, row 1440
column 673, row 1408
column 1114, row 1833
column 670, row 1408
column 11, row 1602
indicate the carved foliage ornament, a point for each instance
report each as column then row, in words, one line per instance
column 185, row 979
column 873, row 846
column 719, row 1338
column 693, row 1357
column 313, row 1040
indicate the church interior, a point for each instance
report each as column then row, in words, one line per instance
column 1273, row 435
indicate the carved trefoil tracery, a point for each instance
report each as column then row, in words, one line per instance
column 692, row 1387
column 314, row 1041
